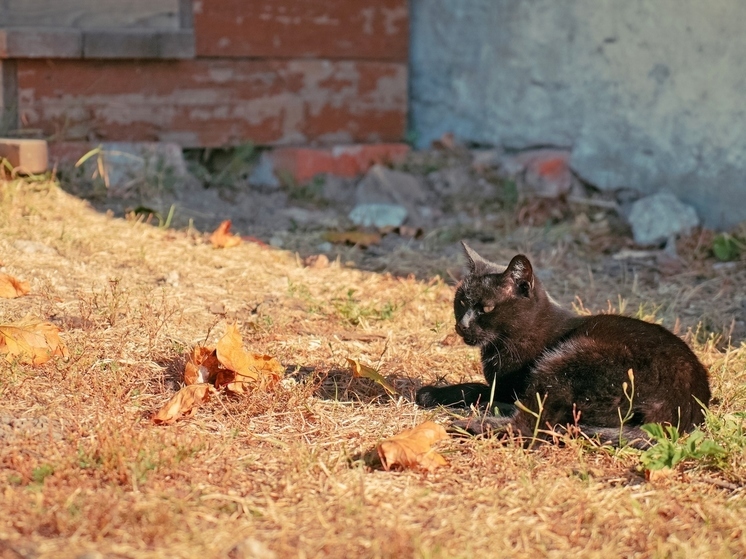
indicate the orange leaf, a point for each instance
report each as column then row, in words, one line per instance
column 360, row 370
column 223, row 238
column 352, row 238
column 186, row 400
column 10, row 287
column 411, row 448
column 244, row 368
column 31, row 341
column 202, row 366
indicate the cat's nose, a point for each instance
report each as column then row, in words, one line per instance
column 467, row 319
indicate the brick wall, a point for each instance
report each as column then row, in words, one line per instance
column 273, row 72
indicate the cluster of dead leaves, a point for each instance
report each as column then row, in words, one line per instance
column 30, row 341
column 227, row 366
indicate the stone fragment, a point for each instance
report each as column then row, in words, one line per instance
column 656, row 218
column 29, row 156
column 34, row 247
column 482, row 159
column 263, row 174
column 450, row 181
column 303, row 164
column 128, row 163
column 382, row 185
column 548, row 173
column 378, row 215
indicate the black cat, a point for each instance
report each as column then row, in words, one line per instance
column 577, row 365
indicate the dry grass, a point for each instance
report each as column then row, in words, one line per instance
column 280, row 474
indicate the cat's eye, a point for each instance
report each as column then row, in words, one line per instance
column 488, row 308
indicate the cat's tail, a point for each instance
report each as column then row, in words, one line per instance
column 491, row 426
column 628, row 436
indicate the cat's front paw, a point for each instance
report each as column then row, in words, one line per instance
column 426, row 397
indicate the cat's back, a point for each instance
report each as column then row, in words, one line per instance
column 629, row 332
column 595, row 355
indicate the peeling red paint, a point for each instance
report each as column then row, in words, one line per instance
column 349, row 29
column 215, row 102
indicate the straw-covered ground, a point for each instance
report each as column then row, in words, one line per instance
column 281, row 473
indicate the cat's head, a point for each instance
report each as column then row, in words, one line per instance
column 494, row 302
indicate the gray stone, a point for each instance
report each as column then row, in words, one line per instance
column 263, row 174
column 129, row 164
column 382, row 185
column 378, row 215
column 621, row 86
column 482, row 159
column 450, row 181
column 654, row 219
column 34, row 247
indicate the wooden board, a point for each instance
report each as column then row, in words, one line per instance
column 341, row 29
column 90, row 14
column 213, row 102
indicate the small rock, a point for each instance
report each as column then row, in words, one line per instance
column 317, row 261
column 656, row 218
column 483, row 159
column 382, row 185
column 34, row 247
column 172, row 278
column 217, row 308
column 378, row 215
column 251, row 549
column 263, row 174
column 450, row 181
column 548, row 173
column 326, row 246
column 276, row 241
column 126, row 162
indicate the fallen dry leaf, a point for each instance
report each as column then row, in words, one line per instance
column 10, row 287
column 202, row 366
column 360, row 370
column 360, row 238
column 412, row 448
column 243, row 368
column 186, row 400
column 31, row 341
column 223, row 238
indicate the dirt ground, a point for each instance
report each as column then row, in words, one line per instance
column 283, row 472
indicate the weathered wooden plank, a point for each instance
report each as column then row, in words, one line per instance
column 90, row 14
column 40, row 42
column 138, row 44
column 349, row 29
column 215, row 102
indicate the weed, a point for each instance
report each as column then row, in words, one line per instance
column 355, row 312
column 671, row 448
column 630, row 399
column 40, row 473
column 727, row 247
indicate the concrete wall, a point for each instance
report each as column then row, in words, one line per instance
column 648, row 94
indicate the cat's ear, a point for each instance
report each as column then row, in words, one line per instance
column 522, row 273
column 477, row 265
